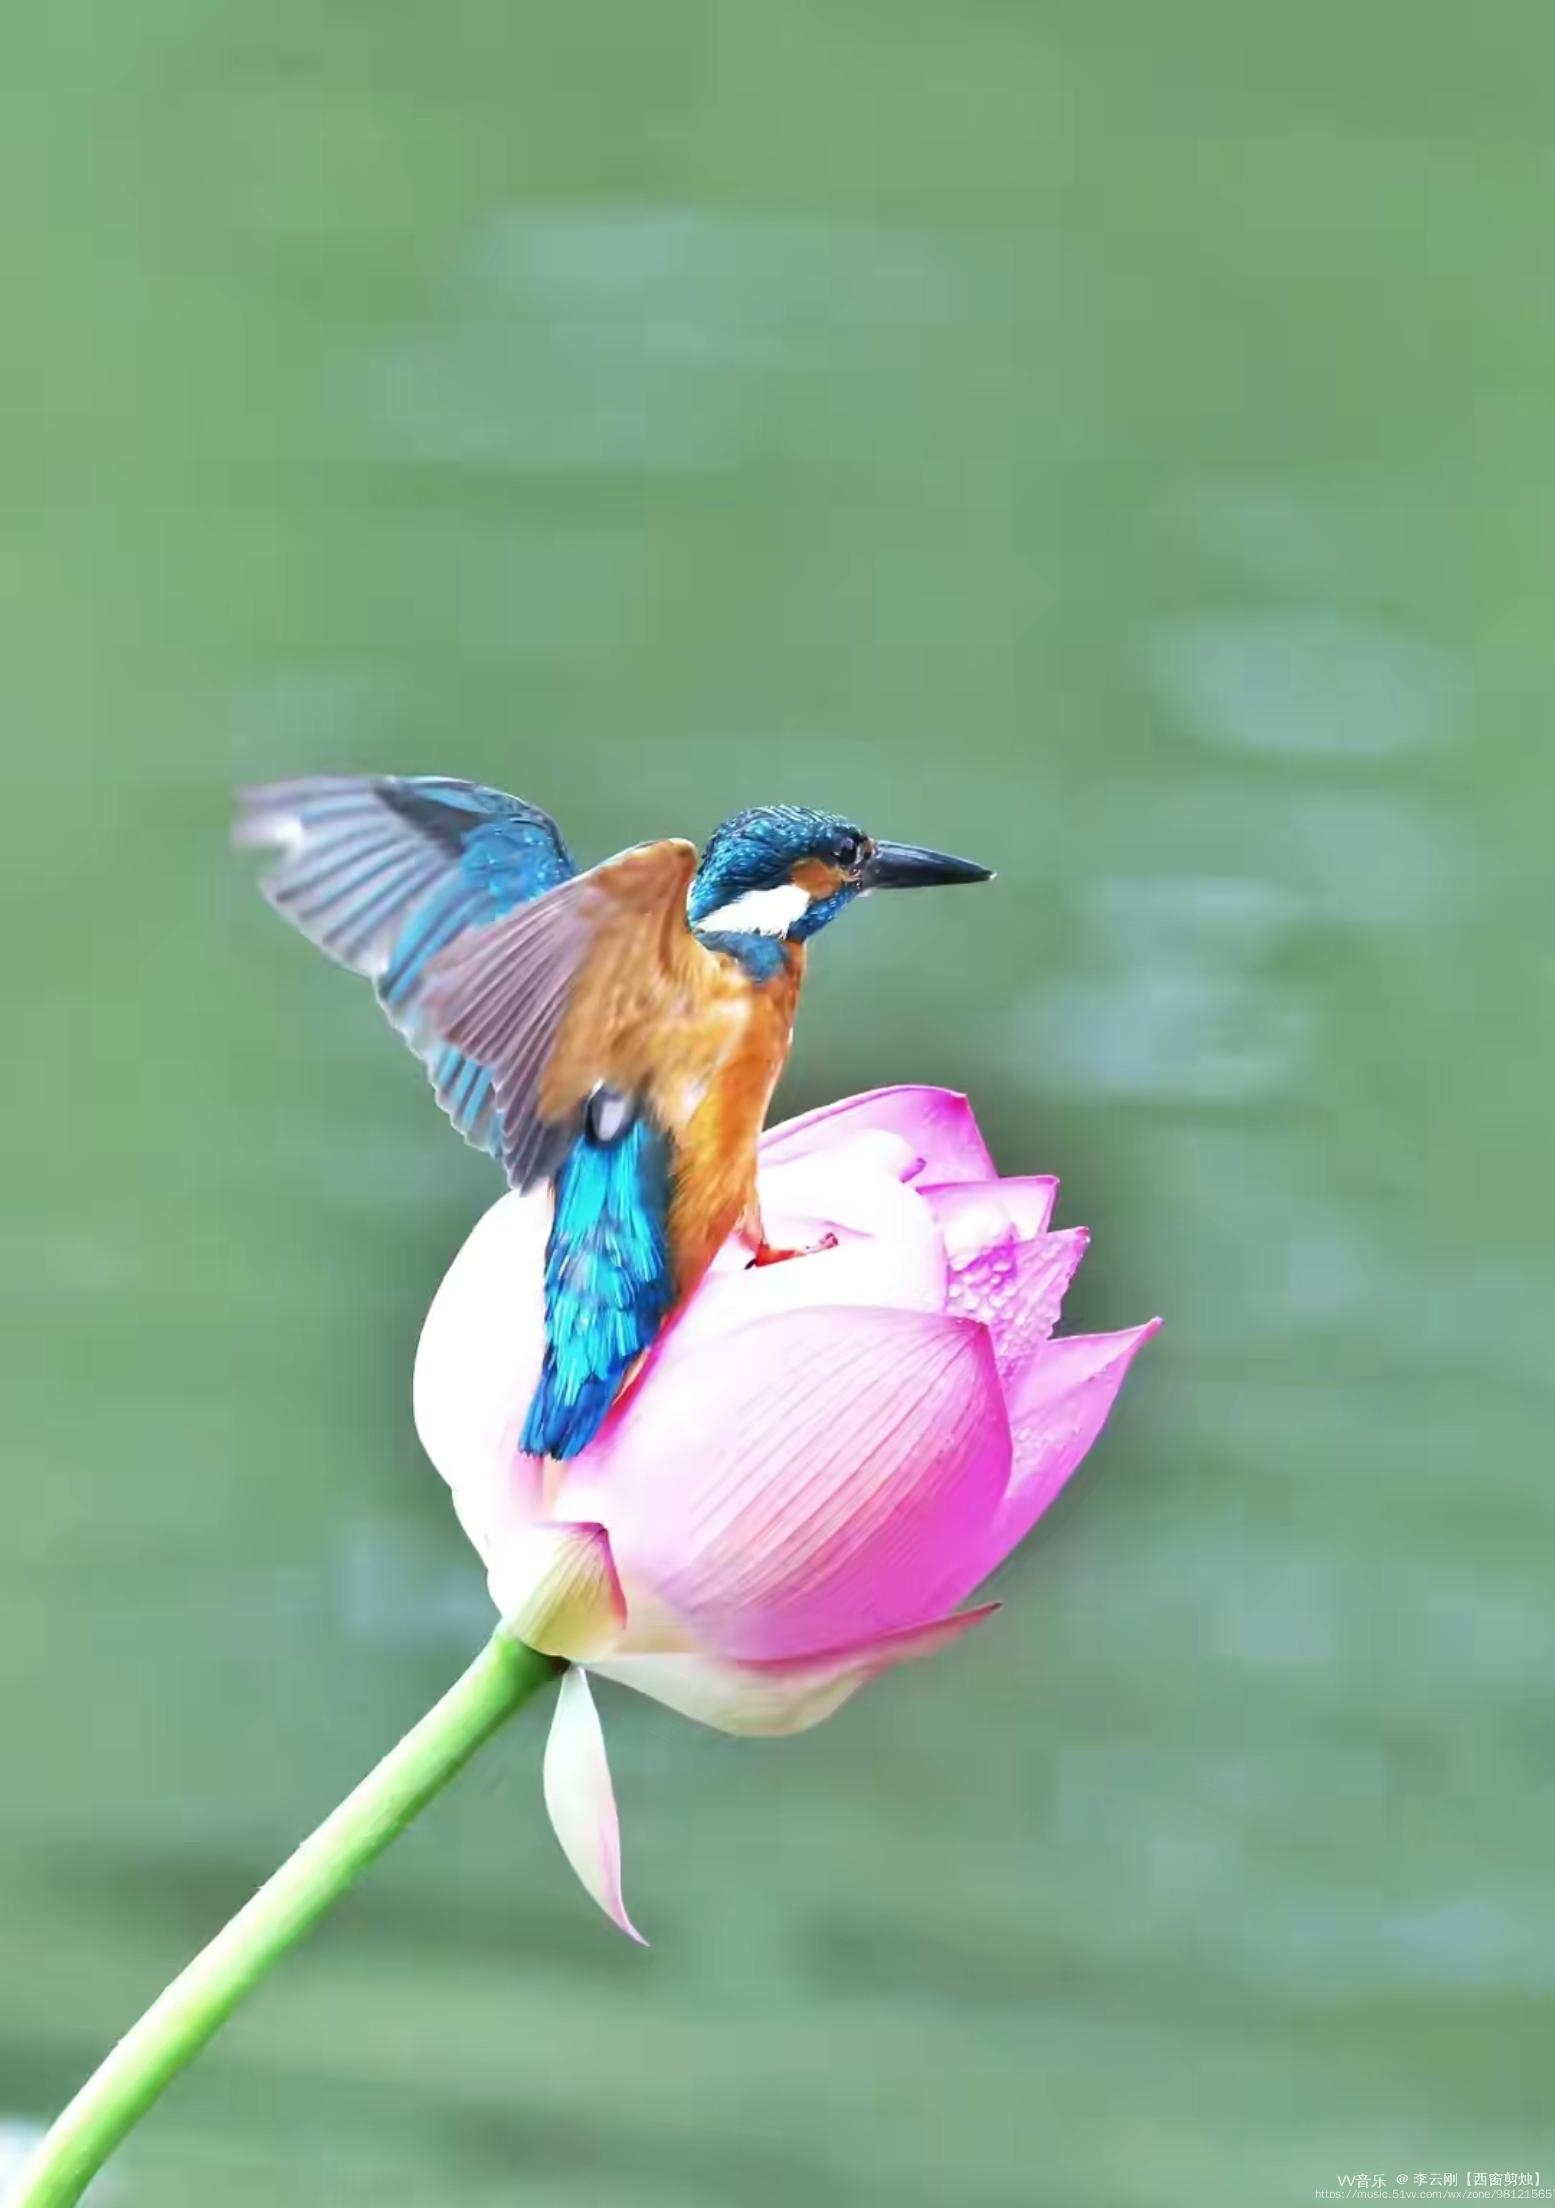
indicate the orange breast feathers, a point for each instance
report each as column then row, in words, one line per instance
column 715, row 1165
column 602, row 983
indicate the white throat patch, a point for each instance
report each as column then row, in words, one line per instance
column 759, row 912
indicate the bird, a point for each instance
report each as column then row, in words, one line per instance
column 613, row 1034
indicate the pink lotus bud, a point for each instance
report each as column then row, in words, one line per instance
column 819, row 1460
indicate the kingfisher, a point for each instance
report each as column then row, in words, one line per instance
column 615, row 1033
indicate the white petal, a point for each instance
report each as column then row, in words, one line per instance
column 786, row 1697
column 477, row 1367
column 582, row 1802
column 557, row 1589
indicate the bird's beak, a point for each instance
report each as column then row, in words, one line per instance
column 907, row 866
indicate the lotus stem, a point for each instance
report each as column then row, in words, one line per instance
column 198, row 2002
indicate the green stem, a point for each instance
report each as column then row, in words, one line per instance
column 180, row 2022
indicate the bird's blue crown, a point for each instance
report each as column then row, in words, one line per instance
column 751, row 885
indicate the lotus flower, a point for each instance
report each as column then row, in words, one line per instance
column 818, row 1462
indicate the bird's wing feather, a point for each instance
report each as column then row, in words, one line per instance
column 551, row 999
column 385, row 872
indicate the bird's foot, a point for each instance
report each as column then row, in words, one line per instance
column 767, row 1255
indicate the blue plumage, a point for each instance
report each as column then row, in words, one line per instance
column 608, row 1278
column 507, row 853
column 385, row 872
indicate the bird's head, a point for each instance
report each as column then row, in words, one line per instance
column 784, row 871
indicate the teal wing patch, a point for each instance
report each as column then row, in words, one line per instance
column 385, row 873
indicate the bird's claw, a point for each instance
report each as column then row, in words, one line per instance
column 767, row 1255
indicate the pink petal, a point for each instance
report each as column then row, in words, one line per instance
column 888, row 1250
column 477, row 1366
column 856, row 1181
column 937, row 1124
column 556, row 1588
column 804, row 1482
column 1058, row 1404
column 1018, row 1291
column 974, row 1216
column 784, row 1697
column 581, row 1800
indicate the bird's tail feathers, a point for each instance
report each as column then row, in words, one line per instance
column 608, row 1274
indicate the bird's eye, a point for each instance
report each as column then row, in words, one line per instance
column 848, row 848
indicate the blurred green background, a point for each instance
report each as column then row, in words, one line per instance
column 1116, row 441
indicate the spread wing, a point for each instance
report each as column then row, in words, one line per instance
column 554, row 1000
column 385, row 872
